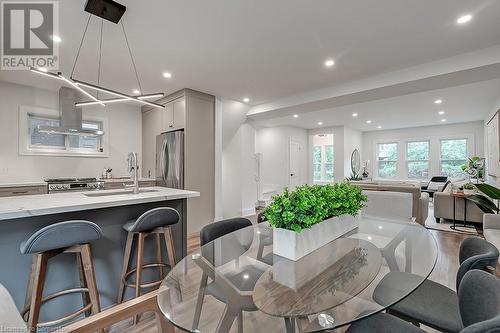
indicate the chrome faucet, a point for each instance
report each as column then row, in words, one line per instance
column 133, row 166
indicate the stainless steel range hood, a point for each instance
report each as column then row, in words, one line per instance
column 71, row 116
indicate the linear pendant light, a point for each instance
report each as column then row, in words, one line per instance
column 116, row 93
column 77, row 84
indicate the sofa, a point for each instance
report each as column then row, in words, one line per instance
column 420, row 202
column 491, row 229
column 443, row 208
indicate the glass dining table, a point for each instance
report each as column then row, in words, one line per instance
column 236, row 284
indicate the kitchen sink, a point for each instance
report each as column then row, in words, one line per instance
column 119, row 192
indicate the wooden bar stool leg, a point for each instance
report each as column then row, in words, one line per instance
column 83, row 283
column 38, row 282
column 29, row 291
column 169, row 241
column 89, row 273
column 126, row 261
column 140, row 262
column 159, row 256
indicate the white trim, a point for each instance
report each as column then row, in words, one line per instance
column 248, row 211
column 24, row 135
column 434, row 153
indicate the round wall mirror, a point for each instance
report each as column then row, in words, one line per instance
column 355, row 162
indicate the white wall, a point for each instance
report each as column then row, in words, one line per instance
column 473, row 131
column 273, row 144
column 491, row 165
column 353, row 139
column 124, row 136
column 238, row 167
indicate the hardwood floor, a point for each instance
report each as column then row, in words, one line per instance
column 444, row 273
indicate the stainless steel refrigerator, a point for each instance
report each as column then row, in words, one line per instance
column 170, row 159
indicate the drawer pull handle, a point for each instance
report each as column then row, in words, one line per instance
column 19, row 192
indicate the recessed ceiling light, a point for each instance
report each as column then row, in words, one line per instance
column 368, row 121
column 443, row 120
column 136, row 92
column 320, row 123
column 295, row 115
column 56, row 38
column 246, row 99
column 167, row 75
column 464, row 19
column 441, row 112
column 379, row 127
column 354, row 115
column 438, row 101
column 369, row 237
column 329, row 63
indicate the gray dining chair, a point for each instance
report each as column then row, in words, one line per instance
column 434, row 304
column 479, row 306
column 233, row 288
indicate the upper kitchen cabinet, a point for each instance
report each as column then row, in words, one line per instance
column 194, row 112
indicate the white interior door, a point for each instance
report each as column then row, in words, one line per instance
column 294, row 164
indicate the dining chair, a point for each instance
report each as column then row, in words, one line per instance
column 434, row 304
column 389, row 205
column 479, row 309
column 234, row 288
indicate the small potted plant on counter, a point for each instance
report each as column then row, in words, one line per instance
column 311, row 216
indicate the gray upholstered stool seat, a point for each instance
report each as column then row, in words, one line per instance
column 69, row 237
column 61, row 235
column 156, row 222
column 152, row 219
column 431, row 303
column 383, row 323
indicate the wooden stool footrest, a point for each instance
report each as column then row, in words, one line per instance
column 146, row 285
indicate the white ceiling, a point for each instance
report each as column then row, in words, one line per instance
column 269, row 49
column 471, row 102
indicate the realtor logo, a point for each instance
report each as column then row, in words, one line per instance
column 28, row 28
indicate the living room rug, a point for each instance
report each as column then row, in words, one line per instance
column 445, row 225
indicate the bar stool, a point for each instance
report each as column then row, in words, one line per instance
column 53, row 240
column 158, row 222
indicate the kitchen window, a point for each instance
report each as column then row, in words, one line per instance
column 417, row 159
column 453, row 154
column 323, row 164
column 387, row 160
column 32, row 142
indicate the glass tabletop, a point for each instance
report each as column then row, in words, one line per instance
column 362, row 273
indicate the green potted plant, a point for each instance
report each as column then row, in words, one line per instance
column 474, row 168
column 485, row 200
column 311, row 216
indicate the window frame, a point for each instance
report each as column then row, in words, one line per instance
column 26, row 148
column 396, row 161
column 440, row 151
column 408, row 161
column 323, row 164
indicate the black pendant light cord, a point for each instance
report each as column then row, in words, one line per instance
column 131, row 57
column 81, row 43
column 100, row 58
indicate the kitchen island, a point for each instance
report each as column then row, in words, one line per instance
column 22, row 216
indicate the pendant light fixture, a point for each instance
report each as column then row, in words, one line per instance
column 110, row 11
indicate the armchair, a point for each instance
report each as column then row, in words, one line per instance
column 429, row 188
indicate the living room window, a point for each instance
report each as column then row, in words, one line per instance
column 417, row 159
column 453, row 153
column 387, row 160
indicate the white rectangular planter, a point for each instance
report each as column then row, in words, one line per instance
column 293, row 245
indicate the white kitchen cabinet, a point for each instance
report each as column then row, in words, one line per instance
column 152, row 125
column 179, row 112
column 174, row 115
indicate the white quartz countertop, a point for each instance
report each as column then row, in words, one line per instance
column 46, row 204
column 20, row 184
